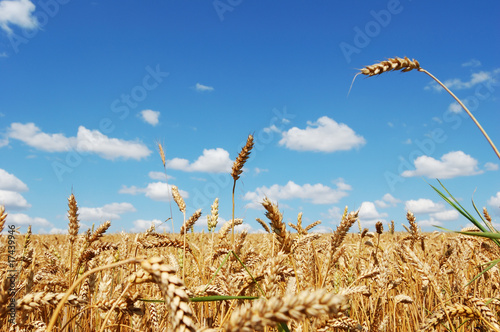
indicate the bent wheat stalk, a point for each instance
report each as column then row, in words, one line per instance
column 406, row 65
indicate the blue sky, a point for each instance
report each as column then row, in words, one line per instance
column 87, row 89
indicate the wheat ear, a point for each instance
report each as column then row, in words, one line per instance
column 174, row 292
column 407, row 65
column 74, row 226
column 3, row 217
column 236, row 172
column 259, row 314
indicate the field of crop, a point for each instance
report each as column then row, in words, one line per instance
column 299, row 281
column 287, row 278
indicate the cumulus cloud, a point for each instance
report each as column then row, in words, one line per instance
column 86, row 141
column 446, row 215
column 368, row 214
column 21, row 219
column 151, row 117
column 157, row 191
column 472, row 63
column 323, row 135
column 202, row 88
column 455, row 108
column 452, row 164
column 486, row 77
column 494, row 203
column 211, row 161
column 387, row 201
column 18, row 13
column 32, row 135
column 491, row 167
column 109, row 148
column 13, row 200
column 10, row 182
column 314, row 193
column 140, row 225
column 159, row 176
column 111, row 211
column 423, row 205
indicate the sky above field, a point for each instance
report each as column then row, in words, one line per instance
column 88, row 89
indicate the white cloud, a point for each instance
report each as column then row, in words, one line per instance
column 109, row 148
column 13, row 200
column 151, row 117
column 201, row 88
column 21, row 219
column 111, row 211
column 423, row 205
column 86, row 141
column 387, row 201
column 323, row 135
column 211, row 161
column 445, row 215
column 472, row 63
column 258, row 170
column 4, row 141
column 458, row 84
column 452, row 164
column 159, row 176
column 55, row 230
column 491, row 167
column 157, row 191
column 429, row 222
column 494, row 203
column 455, row 108
column 140, row 225
column 17, row 12
column 10, row 182
column 368, row 214
column 32, row 135
column 316, row 193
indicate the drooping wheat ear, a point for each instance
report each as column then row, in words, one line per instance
column 34, row 301
column 277, row 225
column 99, row 232
column 3, row 217
column 486, row 312
column 174, row 292
column 178, row 199
column 389, row 65
column 191, row 221
column 408, row 65
column 236, row 172
column 261, row 313
column 451, row 311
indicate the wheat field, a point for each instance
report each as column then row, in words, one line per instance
column 300, row 281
